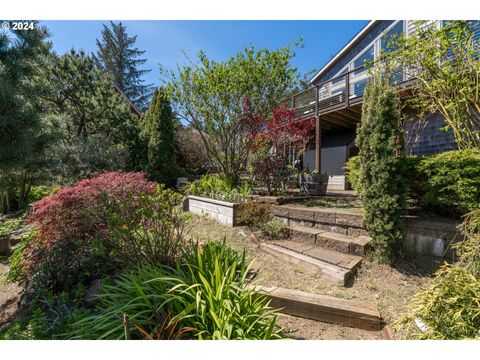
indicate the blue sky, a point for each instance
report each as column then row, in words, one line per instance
column 166, row 41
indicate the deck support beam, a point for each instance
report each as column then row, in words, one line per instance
column 318, row 145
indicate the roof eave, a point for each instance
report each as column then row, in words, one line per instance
column 342, row 51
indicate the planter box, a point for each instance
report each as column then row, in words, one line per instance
column 313, row 184
column 221, row 211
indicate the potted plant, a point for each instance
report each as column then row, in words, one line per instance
column 311, row 182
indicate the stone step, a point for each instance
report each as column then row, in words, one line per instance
column 330, row 240
column 343, row 243
column 333, row 265
column 326, row 219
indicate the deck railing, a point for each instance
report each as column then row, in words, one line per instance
column 336, row 93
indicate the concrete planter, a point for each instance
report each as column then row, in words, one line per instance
column 221, row 211
column 313, row 184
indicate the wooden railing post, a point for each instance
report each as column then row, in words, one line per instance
column 317, row 89
column 347, row 89
column 318, row 145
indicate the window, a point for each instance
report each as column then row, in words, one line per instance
column 339, row 77
column 367, row 56
column 339, row 90
column 388, row 40
column 359, row 87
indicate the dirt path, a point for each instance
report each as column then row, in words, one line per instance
column 390, row 288
column 9, row 295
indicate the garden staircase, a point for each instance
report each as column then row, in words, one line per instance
column 330, row 241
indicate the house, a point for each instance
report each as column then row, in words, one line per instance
column 335, row 99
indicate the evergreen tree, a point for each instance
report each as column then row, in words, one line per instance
column 25, row 133
column 91, row 113
column 117, row 55
column 158, row 132
column 381, row 187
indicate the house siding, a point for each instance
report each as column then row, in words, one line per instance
column 428, row 139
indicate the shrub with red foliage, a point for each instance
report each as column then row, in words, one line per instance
column 270, row 140
column 70, row 225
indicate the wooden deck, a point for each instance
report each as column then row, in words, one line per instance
column 337, row 102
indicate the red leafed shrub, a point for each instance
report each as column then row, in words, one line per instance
column 70, row 225
column 270, row 141
column 76, row 211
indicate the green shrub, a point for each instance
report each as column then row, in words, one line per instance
column 381, row 186
column 408, row 168
column 468, row 250
column 449, row 307
column 203, row 298
column 218, row 188
column 50, row 317
column 39, row 192
column 11, row 224
column 150, row 233
column 274, row 229
column 253, row 213
column 452, row 181
column 352, row 172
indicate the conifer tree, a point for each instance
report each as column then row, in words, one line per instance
column 118, row 56
column 25, row 133
column 158, row 134
column 382, row 189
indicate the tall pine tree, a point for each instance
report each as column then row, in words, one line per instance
column 120, row 58
column 25, row 133
column 158, row 134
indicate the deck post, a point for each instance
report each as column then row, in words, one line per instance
column 318, row 145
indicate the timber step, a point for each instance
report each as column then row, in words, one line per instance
column 346, row 261
column 333, row 265
column 324, row 308
column 331, row 240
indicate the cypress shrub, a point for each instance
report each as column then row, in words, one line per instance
column 158, row 134
column 382, row 188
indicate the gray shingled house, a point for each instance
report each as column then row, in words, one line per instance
column 335, row 99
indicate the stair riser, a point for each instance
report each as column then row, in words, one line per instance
column 344, row 247
column 340, row 229
column 340, row 246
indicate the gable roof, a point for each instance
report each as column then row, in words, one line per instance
column 343, row 50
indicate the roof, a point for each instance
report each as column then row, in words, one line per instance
column 343, row 50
